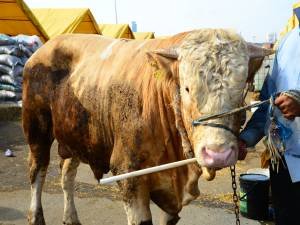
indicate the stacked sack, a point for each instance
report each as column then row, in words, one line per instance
column 14, row 52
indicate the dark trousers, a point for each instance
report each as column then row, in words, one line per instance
column 285, row 197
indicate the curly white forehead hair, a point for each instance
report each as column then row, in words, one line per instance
column 213, row 39
column 215, row 61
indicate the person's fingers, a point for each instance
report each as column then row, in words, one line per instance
column 284, row 105
column 284, row 110
column 279, row 100
column 288, row 106
column 281, row 106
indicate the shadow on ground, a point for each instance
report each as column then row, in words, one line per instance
column 10, row 214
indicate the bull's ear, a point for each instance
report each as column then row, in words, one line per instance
column 162, row 56
column 163, row 62
column 256, row 58
column 170, row 53
column 258, row 52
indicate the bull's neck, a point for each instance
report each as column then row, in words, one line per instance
column 160, row 106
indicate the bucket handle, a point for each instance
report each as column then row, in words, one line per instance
column 248, row 192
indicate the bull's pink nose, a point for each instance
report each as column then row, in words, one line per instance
column 223, row 158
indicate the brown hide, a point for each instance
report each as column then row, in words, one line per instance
column 108, row 102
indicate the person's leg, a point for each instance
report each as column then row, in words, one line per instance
column 294, row 206
column 285, row 197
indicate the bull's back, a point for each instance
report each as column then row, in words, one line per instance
column 92, row 59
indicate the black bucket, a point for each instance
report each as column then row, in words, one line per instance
column 254, row 196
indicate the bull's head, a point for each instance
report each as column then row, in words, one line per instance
column 213, row 70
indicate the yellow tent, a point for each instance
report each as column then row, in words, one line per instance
column 292, row 22
column 16, row 18
column 143, row 35
column 116, row 30
column 62, row 21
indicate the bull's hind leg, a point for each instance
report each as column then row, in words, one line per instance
column 69, row 170
column 38, row 132
column 38, row 172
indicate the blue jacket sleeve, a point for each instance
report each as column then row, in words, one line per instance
column 254, row 130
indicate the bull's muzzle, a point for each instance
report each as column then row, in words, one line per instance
column 217, row 157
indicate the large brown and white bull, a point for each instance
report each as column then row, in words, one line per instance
column 124, row 105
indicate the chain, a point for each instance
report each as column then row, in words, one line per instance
column 235, row 196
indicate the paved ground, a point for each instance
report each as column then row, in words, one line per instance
column 100, row 204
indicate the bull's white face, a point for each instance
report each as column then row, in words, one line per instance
column 213, row 71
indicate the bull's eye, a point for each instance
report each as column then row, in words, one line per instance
column 187, row 89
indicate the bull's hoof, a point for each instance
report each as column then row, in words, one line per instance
column 77, row 223
column 37, row 222
column 37, row 218
column 149, row 222
column 174, row 220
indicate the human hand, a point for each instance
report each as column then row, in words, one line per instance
column 288, row 106
column 242, row 150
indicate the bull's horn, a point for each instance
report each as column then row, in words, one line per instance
column 258, row 52
column 169, row 52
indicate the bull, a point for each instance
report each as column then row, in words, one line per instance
column 123, row 105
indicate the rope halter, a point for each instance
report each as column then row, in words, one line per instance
column 201, row 120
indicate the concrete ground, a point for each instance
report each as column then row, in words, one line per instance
column 101, row 204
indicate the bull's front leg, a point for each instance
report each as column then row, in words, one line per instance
column 136, row 202
column 168, row 219
column 137, row 213
column 69, row 170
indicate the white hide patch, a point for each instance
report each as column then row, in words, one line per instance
column 36, row 194
column 187, row 198
column 69, row 171
column 107, row 52
column 137, row 212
